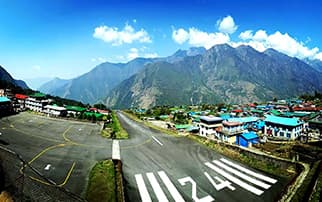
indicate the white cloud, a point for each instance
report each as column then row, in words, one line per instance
column 248, row 34
column 318, row 56
column 99, row 59
column 118, row 37
column 134, row 53
column 280, row 42
column 227, row 25
column 197, row 37
column 151, row 55
column 180, row 36
column 260, row 35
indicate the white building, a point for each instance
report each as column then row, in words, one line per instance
column 210, row 126
column 35, row 104
column 284, row 128
column 54, row 110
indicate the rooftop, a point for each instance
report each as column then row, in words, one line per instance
column 75, row 108
column 4, row 99
column 55, row 107
column 210, row 118
column 38, row 95
column 244, row 119
column 21, row 96
column 249, row 136
column 283, row 120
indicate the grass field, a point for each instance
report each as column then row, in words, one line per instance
column 101, row 184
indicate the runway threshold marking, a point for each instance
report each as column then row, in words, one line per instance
column 145, row 197
column 245, row 170
column 241, row 176
column 170, row 186
column 155, row 139
column 159, row 193
column 157, row 188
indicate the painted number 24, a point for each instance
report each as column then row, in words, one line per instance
column 218, row 187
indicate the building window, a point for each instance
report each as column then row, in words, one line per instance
column 288, row 135
column 282, row 134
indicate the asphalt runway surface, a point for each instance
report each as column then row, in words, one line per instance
column 159, row 167
column 62, row 150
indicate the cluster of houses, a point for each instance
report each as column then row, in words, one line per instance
column 251, row 124
column 38, row 102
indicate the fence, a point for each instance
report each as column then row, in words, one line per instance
column 14, row 180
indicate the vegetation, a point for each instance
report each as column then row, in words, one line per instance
column 114, row 129
column 100, row 106
column 304, row 192
column 317, row 194
column 316, row 98
column 101, row 184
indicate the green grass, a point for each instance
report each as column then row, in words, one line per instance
column 120, row 133
column 303, row 192
column 114, row 128
column 316, row 196
column 101, row 184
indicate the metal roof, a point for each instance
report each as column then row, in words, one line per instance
column 283, row 120
column 249, row 136
column 210, row 118
column 4, row 99
column 243, row 119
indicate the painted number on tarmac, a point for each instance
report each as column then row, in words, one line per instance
column 194, row 196
column 232, row 173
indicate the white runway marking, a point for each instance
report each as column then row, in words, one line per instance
column 145, row 197
column 155, row 139
column 245, row 170
column 116, row 150
column 242, row 175
column 235, row 180
column 156, row 188
column 172, row 189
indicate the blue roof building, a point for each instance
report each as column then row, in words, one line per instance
column 5, row 106
column 282, row 127
column 4, row 99
column 247, row 139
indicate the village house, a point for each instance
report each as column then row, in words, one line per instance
column 37, row 102
column 54, row 110
column 230, row 131
column 20, row 102
column 282, row 127
column 5, row 106
column 210, row 126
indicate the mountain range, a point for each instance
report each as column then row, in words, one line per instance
column 219, row 74
column 5, row 77
column 96, row 84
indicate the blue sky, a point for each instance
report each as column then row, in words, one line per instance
column 66, row 38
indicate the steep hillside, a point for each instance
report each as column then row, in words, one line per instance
column 6, row 77
column 222, row 73
column 97, row 83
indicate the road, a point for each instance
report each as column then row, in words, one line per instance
column 159, row 167
column 70, row 147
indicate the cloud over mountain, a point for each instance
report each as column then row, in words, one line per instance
column 118, row 37
column 259, row 40
column 227, row 25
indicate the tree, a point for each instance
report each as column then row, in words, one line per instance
column 100, row 106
